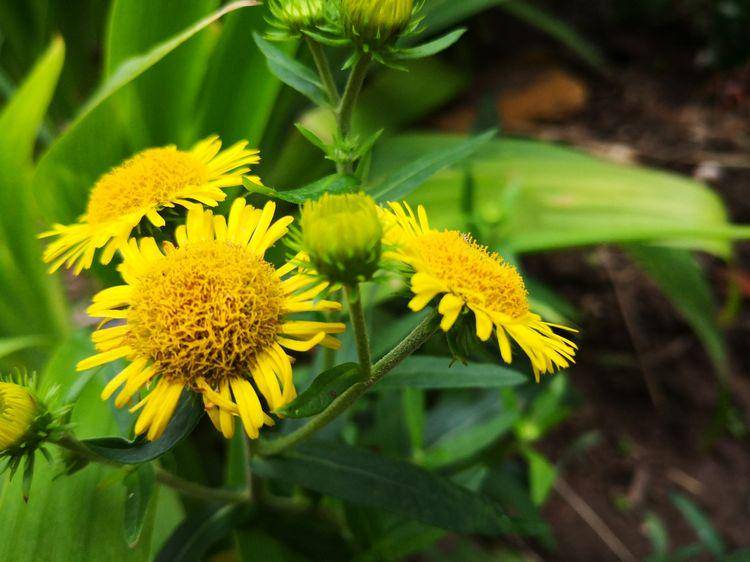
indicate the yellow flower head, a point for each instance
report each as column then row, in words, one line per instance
column 468, row 277
column 375, row 21
column 141, row 187
column 342, row 236
column 210, row 315
column 18, row 409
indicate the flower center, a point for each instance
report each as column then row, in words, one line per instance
column 206, row 310
column 147, row 180
column 471, row 272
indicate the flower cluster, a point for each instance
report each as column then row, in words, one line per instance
column 202, row 309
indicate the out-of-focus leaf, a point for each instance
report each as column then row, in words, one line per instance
column 536, row 196
column 700, row 524
column 239, row 105
column 255, row 545
column 8, row 346
column 468, row 441
column 187, row 415
column 404, row 539
column 90, row 144
column 413, row 401
column 326, row 387
column 160, row 107
column 680, row 277
column 364, row 478
column 403, row 181
column 333, row 184
column 291, row 72
column 31, row 302
column 432, row 47
column 542, row 475
column 140, row 485
column 657, row 535
column 199, row 532
column 422, row 371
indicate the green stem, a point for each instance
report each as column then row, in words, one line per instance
column 351, row 94
column 359, row 325
column 168, row 479
column 324, row 70
column 423, row 332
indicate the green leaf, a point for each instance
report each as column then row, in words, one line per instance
column 255, row 545
column 291, row 72
column 140, row 485
column 413, row 403
column 326, row 387
column 536, row 196
column 680, row 277
column 239, row 105
column 405, row 180
column 364, row 478
column 199, row 532
column 700, row 524
column 657, row 535
column 333, row 184
column 187, row 415
column 90, row 144
column 9, row 346
column 31, row 302
column 432, row 47
column 404, row 539
column 467, row 442
column 162, row 101
column 542, row 475
column 422, row 371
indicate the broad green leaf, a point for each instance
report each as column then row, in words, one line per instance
column 326, row 387
column 364, row 478
column 404, row 539
column 402, row 182
column 160, row 107
column 333, row 184
column 89, row 146
column 140, row 485
column 291, row 72
column 542, row 475
column 239, row 105
column 680, row 277
column 422, row 371
column 466, row 442
column 537, row 196
column 31, row 302
column 187, row 415
column 432, row 47
column 700, row 524
column 199, row 532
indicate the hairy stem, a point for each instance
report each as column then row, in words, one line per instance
column 324, row 70
column 164, row 477
column 423, row 332
column 359, row 325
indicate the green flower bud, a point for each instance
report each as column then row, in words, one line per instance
column 376, row 22
column 342, row 235
column 18, row 410
column 294, row 16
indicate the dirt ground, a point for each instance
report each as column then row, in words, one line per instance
column 646, row 386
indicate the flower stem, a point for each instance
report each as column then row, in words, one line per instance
column 359, row 325
column 351, row 93
column 164, row 477
column 423, row 332
column 324, row 70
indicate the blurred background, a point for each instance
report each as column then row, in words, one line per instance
column 646, row 438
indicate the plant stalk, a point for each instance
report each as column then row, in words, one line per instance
column 423, row 332
column 324, row 70
column 359, row 325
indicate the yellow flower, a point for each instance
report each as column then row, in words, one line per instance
column 210, row 315
column 468, row 277
column 342, row 236
column 142, row 187
column 18, row 409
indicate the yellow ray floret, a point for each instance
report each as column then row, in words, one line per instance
column 140, row 188
column 450, row 265
column 211, row 315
